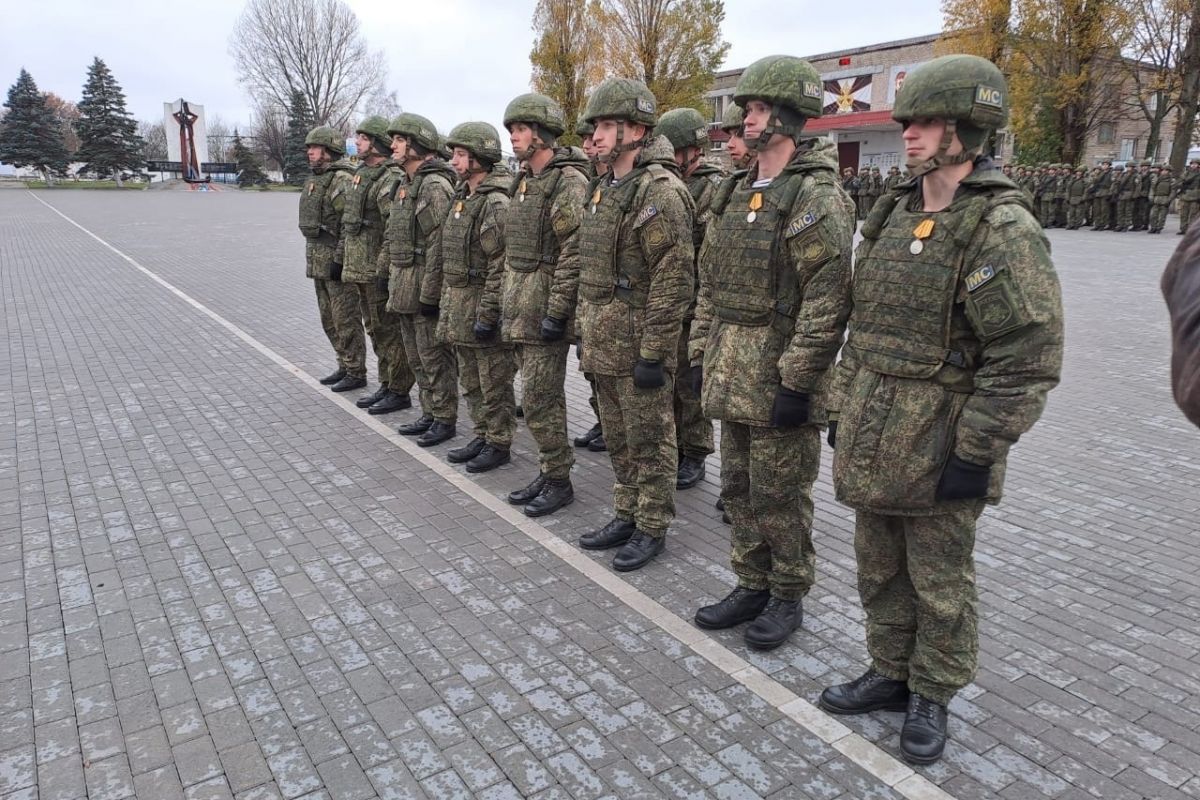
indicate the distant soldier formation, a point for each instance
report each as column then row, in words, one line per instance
column 693, row 294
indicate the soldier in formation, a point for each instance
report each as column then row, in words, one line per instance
column 772, row 312
column 322, row 203
column 1188, row 192
column 955, row 390
column 1162, row 191
column 593, row 438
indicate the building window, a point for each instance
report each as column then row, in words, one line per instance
column 1128, row 149
column 1106, row 133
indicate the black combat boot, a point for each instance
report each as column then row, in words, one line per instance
column 598, row 445
column 391, row 401
column 461, row 455
column 639, row 551
column 490, row 457
column 519, row 497
column 333, row 377
column 349, row 383
column 555, row 494
column 690, row 472
column 775, row 624
column 616, row 532
column 923, row 737
column 584, row 439
column 740, row 605
column 417, row 426
column 868, row 692
column 438, row 432
column 368, row 400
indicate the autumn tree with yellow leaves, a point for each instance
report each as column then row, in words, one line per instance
column 564, row 55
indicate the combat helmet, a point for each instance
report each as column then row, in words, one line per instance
column 684, row 127
column 584, row 129
column 793, row 89
column 376, row 129
column 417, row 130
column 479, row 139
column 625, row 100
column 328, row 138
column 733, row 118
column 538, row 110
column 968, row 92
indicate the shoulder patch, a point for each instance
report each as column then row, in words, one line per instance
column 645, row 215
column 800, row 224
column 979, row 277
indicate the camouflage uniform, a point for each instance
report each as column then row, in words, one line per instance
column 940, row 375
column 635, row 285
column 892, row 180
column 1189, row 195
column 541, row 279
column 1141, row 197
column 418, row 209
column 772, row 312
column 852, row 186
column 1126, row 187
column 322, row 203
column 1161, row 191
column 1076, row 199
column 1102, row 190
column 362, row 225
column 468, row 266
column 1048, row 188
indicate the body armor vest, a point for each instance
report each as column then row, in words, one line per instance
column 463, row 261
column 530, row 241
column 318, row 219
column 611, row 262
column 358, row 215
column 752, row 280
column 904, row 303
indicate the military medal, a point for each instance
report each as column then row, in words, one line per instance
column 403, row 194
column 595, row 199
column 458, row 207
column 312, row 187
column 755, row 205
column 521, row 190
column 923, row 231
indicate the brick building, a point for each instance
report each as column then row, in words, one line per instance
column 860, row 89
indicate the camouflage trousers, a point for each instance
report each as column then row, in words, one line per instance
column 1100, row 218
column 1187, row 210
column 383, row 326
column 1141, row 212
column 639, row 428
column 916, row 580
column 693, row 431
column 337, row 303
column 1158, row 216
column 767, row 476
column 543, row 396
column 486, row 375
column 1046, row 212
column 1124, row 217
column 1075, row 212
column 435, row 366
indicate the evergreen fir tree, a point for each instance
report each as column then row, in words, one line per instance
column 108, row 138
column 249, row 167
column 30, row 134
column 300, row 122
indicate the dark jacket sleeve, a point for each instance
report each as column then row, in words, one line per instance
column 1181, row 288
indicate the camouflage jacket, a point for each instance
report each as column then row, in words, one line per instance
column 541, row 256
column 468, row 262
column 417, row 210
column 1189, row 185
column 636, row 261
column 322, row 203
column 1162, row 190
column 362, row 222
column 776, row 290
column 955, row 358
column 1076, row 191
column 1126, row 186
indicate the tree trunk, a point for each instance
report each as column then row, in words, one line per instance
column 1189, row 93
column 117, row 178
column 1155, row 131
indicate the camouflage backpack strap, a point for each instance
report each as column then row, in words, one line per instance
column 878, row 217
column 724, row 192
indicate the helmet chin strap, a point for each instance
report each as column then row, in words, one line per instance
column 775, row 124
column 940, row 158
column 622, row 146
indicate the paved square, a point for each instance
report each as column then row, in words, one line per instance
column 219, row 580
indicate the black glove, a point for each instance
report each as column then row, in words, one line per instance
column 381, row 283
column 697, row 378
column 831, row 436
column 335, row 270
column 790, row 409
column 553, row 329
column 648, row 374
column 579, row 350
column 483, row 331
column 429, row 310
column 962, row 480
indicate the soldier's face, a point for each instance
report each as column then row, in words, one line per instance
column 316, row 154
column 605, row 137
column 461, row 161
column 684, row 155
column 923, row 138
column 589, row 147
column 399, row 147
column 736, row 147
column 362, row 143
column 521, row 137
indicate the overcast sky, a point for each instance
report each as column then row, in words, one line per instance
column 466, row 61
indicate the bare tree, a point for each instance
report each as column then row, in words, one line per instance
column 1189, row 91
column 1154, row 50
column 563, row 55
column 269, row 134
column 154, row 139
column 311, row 46
column 220, row 138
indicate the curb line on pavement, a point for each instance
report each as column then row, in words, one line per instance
column 867, row 755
